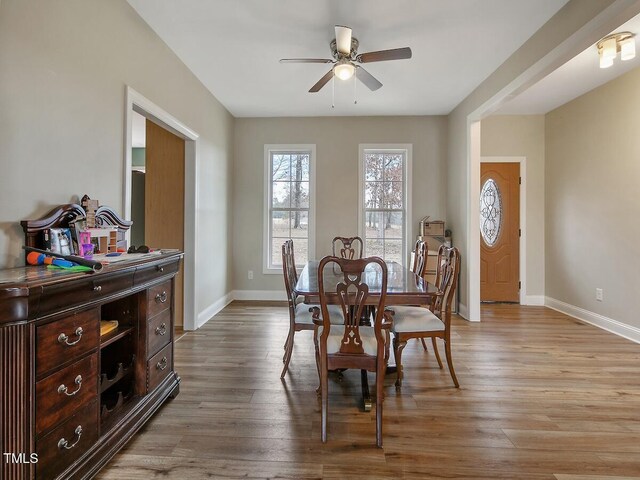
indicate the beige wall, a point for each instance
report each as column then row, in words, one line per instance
column 523, row 136
column 63, row 70
column 337, row 140
column 593, row 200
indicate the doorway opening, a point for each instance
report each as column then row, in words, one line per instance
column 138, row 176
column 169, row 193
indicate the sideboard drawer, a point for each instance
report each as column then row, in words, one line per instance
column 101, row 286
column 148, row 274
column 159, row 333
column 159, row 367
column 159, row 298
column 66, row 339
column 59, row 449
column 90, row 288
column 60, row 395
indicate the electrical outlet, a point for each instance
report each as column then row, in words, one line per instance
column 250, row 274
column 599, row 294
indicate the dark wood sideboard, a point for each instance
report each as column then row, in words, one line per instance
column 67, row 394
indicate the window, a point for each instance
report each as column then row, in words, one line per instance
column 384, row 209
column 490, row 212
column 289, row 203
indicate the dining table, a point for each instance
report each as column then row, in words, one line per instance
column 403, row 288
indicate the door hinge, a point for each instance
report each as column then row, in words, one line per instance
column 519, row 180
column 519, row 232
column 519, row 285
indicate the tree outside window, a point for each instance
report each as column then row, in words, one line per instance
column 384, row 204
column 289, row 204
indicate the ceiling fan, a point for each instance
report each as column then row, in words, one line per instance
column 346, row 58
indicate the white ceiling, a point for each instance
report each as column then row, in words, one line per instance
column 578, row 76
column 234, row 46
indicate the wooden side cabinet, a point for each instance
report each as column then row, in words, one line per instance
column 70, row 398
column 70, row 395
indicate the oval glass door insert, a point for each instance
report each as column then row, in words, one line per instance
column 490, row 212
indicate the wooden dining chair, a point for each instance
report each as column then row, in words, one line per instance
column 429, row 322
column 347, row 247
column 300, row 316
column 351, row 345
column 419, row 267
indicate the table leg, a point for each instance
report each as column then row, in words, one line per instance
column 366, row 396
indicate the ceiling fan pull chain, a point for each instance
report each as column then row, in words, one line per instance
column 355, row 88
column 333, row 91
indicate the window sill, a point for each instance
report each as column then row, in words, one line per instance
column 278, row 270
column 272, row 271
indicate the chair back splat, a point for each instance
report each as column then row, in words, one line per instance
column 419, row 264
column 348, row 247
column 289, row 271
column 446, row 281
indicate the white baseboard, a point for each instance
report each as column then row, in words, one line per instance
column 206, row 315
column 609, row 324
column 263, row 295
column 534, row 300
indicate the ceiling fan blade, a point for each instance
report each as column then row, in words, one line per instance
column 305, row 60
column 322, row 82
column 382, row 55
column 343, row 39
column 369, row 80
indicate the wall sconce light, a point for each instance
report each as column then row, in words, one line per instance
column 609, row 46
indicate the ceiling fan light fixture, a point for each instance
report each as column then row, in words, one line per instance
column 344, row 70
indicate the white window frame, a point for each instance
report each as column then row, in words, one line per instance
column 266, row 242
column 407, row 149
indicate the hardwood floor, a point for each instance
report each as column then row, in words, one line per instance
column 542, row 396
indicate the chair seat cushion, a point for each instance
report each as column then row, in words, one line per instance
column 367, row 335
column 415, row 319
column 303, row 315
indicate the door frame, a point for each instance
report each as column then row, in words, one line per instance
column 134, row 101
column 522, row 271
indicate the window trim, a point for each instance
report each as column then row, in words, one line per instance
column 266, row 237
column 407, row 148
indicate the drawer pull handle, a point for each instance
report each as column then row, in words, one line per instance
column 162, row 364
column 97, row 288
column 63, row 388
column 64, row 444
column 162, row 329
column 62, row 338
column 160, row 269
column 161, row 297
